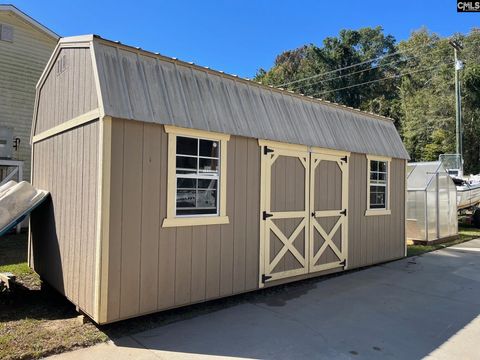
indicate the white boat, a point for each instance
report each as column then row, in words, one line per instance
column 468, row 194
column 468, row 188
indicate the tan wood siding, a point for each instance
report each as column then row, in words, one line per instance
column 153, row 268
column 66, row 95
column 374, row 239
column 63, row 231
column 21, row 64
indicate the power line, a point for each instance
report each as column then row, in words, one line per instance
column 294, row 88
column 390, row 77
column 430, row 42
column 385, row 78
column 355, row 65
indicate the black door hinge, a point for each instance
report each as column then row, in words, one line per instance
column 345, row 159
column 313, row 214
column 265, row 278
column 267, row 150
column 266, row 215
column 344, row 212
column 344, row 262
column 16, row 143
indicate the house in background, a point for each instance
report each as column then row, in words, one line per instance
column 25, row 47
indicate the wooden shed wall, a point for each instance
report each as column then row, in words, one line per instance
column 68, row 94
column 21, row 64
column 152, row 268
column 374, row 239
column 63, row 230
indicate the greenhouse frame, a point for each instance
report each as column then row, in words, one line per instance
column 431, row 203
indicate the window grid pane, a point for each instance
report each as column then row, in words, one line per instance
column 197, row 176
column 378, row 184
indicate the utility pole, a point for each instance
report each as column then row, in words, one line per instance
column 457, row 47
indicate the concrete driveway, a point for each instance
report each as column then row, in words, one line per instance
column 426, row 306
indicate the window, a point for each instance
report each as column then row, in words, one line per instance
column 378, row 192
column 6, row 33
column 196, row 177
column 378, row 184
column 197, row 173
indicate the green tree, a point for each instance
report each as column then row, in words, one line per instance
column 427, row 97
column 349, row 48
column 471, row 102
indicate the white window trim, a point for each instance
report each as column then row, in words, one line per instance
column 378, row 212
column 172, row 220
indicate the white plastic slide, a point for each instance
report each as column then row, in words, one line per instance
column 17, row 200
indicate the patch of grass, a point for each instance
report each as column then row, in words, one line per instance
column 13, row 257
column 36, row 321
column 35, row 338
column 466, row 234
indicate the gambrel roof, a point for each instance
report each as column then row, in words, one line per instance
column 139, row 85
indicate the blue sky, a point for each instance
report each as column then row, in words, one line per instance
column 239, row 37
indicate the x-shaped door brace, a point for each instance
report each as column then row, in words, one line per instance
column 288, row 243
column 328, row 240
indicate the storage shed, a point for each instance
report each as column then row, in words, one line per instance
column 173, row 184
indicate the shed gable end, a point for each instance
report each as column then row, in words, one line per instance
column 68, row 91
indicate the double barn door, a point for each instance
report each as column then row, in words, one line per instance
column 304, row 198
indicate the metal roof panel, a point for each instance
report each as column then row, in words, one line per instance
column 172, row 92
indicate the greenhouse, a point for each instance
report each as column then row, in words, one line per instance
column 431, row 203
